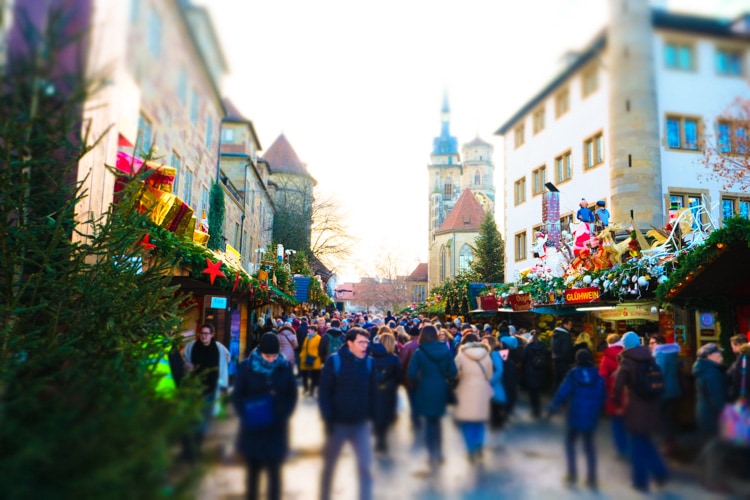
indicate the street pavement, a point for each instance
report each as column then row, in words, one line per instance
column 526, row 460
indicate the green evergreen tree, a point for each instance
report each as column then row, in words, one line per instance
column 84, row 308
column 489, row 252
column 216, row 218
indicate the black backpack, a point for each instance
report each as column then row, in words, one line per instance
column 649, row 380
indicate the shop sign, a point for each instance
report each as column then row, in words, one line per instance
column 520, row 301
column 582, row 295
column 630, row 311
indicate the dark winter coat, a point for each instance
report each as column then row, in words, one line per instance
column 710, row 394
column 324, row 341
column 404, row 358
column 254, row 378
column 387, row 373
column 583, row 390
column 430, row 368
column 302, row 330
column 734, row 374
column 347, row 397
column 607, row 369
column 641, row 415
column 510, row 369
column 535, row 377
column 668, row 358
column 562, row 345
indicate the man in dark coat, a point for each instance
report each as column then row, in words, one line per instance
column 266, row 447
column 641, row 415
column 346, row 402
column 330, row 336
column 534, row 362
column 404, row 358
column 562, row 349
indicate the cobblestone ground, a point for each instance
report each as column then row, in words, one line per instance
column 525, row 461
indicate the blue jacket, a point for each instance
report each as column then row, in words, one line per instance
column 583, row 390
column 498, row 390
column 387, row 375
column 667, row 356
column 347, row 397
column 711, row 394
column 256, row 377
column 430, row 367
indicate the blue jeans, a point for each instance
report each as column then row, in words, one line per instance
column 473, row 433
column 620, row 435
column 646, row 461
column 433, row 432
column 359, row 436
column 589, row 451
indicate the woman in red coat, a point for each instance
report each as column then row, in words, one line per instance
column 607, row 369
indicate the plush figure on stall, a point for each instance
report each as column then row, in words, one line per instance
column 539, row 247
column 581, row 236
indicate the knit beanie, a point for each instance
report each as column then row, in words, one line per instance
column 630, row 340
column 584, row 358
column 269, row 344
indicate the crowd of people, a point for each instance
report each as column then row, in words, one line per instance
column 354, row 366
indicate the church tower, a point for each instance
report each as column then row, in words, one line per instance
column 444, row 172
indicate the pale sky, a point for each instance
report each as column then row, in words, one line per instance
column 357, row 86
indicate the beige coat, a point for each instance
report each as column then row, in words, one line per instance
column 474, row 391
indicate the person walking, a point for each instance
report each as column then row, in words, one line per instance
column 668, row 358
column 740, row 348
column 310, row 363
column 264, row 446
column 710, row 397
column 499, row 398
column 641, row 414
column 535, row 363
column 607, row 369
column 431, row 370
column 288, row 342
column 387, row 373
column 473, row 395
column 346, row 401
column 583, row 390
column 404, row 358
column 562, row 349
column 330, row 341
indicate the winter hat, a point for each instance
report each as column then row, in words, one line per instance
column 487, row 327
column 584, row 358
column 584, row 203
column 600, row 203
column 269, row 344
column 708, row 349
column 630, row 340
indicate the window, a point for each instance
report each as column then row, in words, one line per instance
column 682, row 132
column 176, row 161
column 593, row 151
column 182, row 86
column 227, row 135
column 209, row 131
column 464, row 258
column 145, row 136
column 187, row 193
column 237, row 233
column 538, row 120
column 154, row 33
column 678, row 56
column 563, row 169
column 732, row 137
column 729, row 62
column 477, row 178
column 194, row 107
column 520, row 191
column 204, row 200
column 566, row 221
column 562, row 103
column 678, row 200
column 589, row 81
column 443, row 262
column 418, row 294
column 732, row 206
column 520, row 246
column 448, row 190
column 539, row 179
column 518, row 136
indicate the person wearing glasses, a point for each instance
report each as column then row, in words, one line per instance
column 209, row 360
column 346, row 402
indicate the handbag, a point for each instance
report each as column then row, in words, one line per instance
column 734, row 421
column 257, row 412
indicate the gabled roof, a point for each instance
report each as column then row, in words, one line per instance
column 282, row 159
column 466, row 215
column 419, row 273
column 477, row 142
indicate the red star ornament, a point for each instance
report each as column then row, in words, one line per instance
column 236, row 281
column 146, row 244
column 213, row 270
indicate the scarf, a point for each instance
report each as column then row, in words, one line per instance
column 205, row 358
column 263, row 367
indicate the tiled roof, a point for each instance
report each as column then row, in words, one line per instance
column 466, row 215
column 282, row 159
column 476, row 142
column 419, row 273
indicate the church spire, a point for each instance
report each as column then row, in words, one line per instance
column 446, row 144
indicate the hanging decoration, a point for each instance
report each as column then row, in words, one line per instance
column 213, row 270
column 146, row 244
